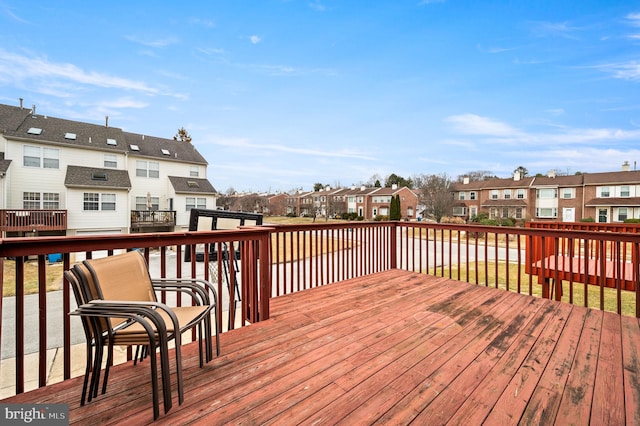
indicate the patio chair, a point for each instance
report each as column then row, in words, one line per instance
column 94, row 317
column 123, row 281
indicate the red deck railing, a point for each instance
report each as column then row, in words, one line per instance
column 17, row 220
column 281, row 259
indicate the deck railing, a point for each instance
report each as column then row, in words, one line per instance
column 275, row 260
column 20, row 220
column 141, row 219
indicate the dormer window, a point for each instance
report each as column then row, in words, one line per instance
column 70, row 136
column 34, row 131
column 134, row 147
column 193, row 184
column 112, row 142
column 165, row 152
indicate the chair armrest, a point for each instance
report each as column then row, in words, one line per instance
column 192, row 286
column 140, row 314
column 147, row 309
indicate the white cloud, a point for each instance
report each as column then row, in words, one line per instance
column 244, row 144
column 625, row 70
column 317, row 6
column 495, row 131
column 158, row 43
column 472, row 124
column 634, row 19
column 17, row 68
column 255, row 39
column 553, row 29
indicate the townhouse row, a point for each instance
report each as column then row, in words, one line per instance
column 603, row 197
column 63, row 177
column 364, row 202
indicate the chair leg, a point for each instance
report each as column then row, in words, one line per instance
column 95, row 374
column 107, row 367
column 87, row 371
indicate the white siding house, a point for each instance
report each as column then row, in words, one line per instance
column 103, row 177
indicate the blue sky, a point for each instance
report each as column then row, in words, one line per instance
column 281, row 94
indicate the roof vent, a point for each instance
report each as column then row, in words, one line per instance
column 99, row 176
column 165, row 152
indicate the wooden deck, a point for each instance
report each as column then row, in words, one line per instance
column 394, row 348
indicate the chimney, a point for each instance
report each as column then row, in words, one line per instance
column 33, row 109
column 106, row 121
column 362, row 188
column 465, row 180
column 21, row 102
column 626, row 166
column 516, row 175
column 394, row 186
column 328, row 188
column 551, row 173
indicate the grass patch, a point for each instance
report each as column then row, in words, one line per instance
column 53, row 273
column 488, row 275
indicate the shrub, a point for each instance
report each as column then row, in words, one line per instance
column 587, row 219
column 631, row 220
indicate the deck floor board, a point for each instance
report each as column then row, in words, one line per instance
column 393, row 348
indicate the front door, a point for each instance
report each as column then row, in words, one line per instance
column 568, row 214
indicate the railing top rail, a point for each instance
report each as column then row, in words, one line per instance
column 539, row 232
column 328, row 225
column 11, row 247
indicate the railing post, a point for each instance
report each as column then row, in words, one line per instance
column 264, row 259
column 394, row 245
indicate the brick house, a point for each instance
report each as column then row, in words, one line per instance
column 604, row 197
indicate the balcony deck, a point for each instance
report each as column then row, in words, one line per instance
column 395, row 347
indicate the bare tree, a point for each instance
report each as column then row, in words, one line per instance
column 435, row 195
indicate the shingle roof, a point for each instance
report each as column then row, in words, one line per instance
column 492, row 184
column 614, row 201
column 15, row 123
column 4, row 165
column 623, row 177
column 191, row 185
column 78, row 176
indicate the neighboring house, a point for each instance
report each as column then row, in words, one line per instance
column 94, row 179
column 604, row 197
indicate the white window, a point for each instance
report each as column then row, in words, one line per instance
column 141, row 203
column 111, row 161
column 47, row 158
column 494, row 194
column 472, row 195
column 624, row 191
column 507, row 194
column 50, row 158
column 622, row 214
column 196, row 203
column 40, row 201
column 520, row 194
column 546, row 212
column 459, row 211
column 94, row 201
column 410, row 212
column 461, row 195
column 193, row 171
column 547, row 193
column 149, row 169
column 568, row 193
column 518, row 212
column 605, row 192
